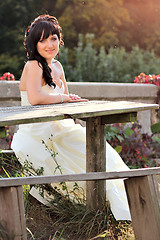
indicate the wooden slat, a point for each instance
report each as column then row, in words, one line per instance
column 43, row 113
column 12, row 212
column 95, row 162
column 4, row 182
column 119, row 118
column 143, row 198
column 7, row 152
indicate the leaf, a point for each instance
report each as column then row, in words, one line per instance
column 120, row 138
column 118, row 148
column 5, row 172
column 155, row 128
column 128, row 132
column 115, row 129
column 2, row 132
column 156, row 139
column 103, row 235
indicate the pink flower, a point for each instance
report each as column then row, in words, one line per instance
column 149, row 79
column 7, row 76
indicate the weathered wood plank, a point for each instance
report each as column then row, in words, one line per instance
column 7, row 152
column 95, row 162
column 43, row 113
column 145, row 211
column 119, row 118
column 4, row 182
column 153, row 182
column 12, row 212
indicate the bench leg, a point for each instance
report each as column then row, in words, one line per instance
column 12, row 212
column 95, row 162
column 144, row 202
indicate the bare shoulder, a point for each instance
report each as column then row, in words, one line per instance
column 31, row 70
column 58, row 65
column 32, row 66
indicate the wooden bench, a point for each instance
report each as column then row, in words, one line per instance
column 142, row 187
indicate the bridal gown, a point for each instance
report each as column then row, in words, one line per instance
column 69, row 142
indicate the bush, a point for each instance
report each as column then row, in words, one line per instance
column 137, row 150
column 11, row 64
column 118, row 65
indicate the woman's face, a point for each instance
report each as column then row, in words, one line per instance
column 49, row 47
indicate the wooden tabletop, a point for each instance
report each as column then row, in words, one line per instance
column 44, row 113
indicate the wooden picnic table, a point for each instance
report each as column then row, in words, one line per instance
column 96, row 114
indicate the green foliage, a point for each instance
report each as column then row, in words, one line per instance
column 2, row 132
column 156, row 139
column 9, row 166
column 64, row 57
column 80, row 223
column 15, row 16
column 11, row 64
column 100, row 17
column 108, row 57
column 155, row 128
column 117, row 65
column 136, row 149
column 85, row 60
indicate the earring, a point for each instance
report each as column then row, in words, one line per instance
column 58, row 55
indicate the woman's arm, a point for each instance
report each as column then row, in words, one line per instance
column 34, row 81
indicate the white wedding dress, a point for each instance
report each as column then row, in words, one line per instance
column 69, row 142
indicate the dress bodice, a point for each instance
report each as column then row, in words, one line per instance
column 46, row 88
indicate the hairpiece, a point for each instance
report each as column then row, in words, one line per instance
column 42, row 18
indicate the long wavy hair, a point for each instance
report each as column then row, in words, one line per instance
column 48, row 25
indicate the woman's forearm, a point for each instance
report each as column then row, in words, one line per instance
column 42, row 98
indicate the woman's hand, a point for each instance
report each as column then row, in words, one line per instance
column 72, row 98
column 76, row 98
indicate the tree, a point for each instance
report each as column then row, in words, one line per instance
column 14, row 18
column 143, row 29
column 116, row 23
column 101, row 17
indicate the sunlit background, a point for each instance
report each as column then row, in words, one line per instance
column 115, row 27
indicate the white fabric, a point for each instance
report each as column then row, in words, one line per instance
column 69, row 141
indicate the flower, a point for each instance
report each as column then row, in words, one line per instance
column 150, row 79
column 7, row 76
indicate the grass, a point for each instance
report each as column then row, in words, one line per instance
column 63, row 219
column 68, row 221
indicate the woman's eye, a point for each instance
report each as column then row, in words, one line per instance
column 54, row 38
column 42, row 40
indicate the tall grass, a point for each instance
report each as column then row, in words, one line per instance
column 65, row 218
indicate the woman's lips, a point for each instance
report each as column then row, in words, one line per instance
column 50, row 51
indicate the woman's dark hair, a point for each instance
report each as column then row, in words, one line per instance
column 48, row 25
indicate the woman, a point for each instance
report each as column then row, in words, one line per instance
column 43, row 82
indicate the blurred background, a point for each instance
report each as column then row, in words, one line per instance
column 104, row 40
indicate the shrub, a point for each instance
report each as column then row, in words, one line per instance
column 11, row 64
column 136, row 149
column 84, row 63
